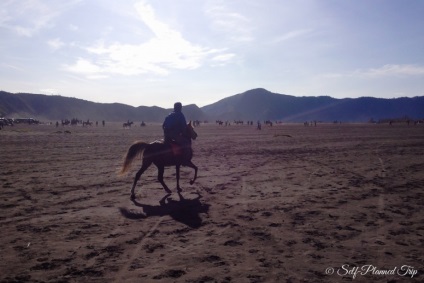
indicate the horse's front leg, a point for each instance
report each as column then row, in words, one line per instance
column 161, row 170
column 191, row 165
column 177, row 171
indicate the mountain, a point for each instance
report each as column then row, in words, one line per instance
column 260, row 104
column 46, row 107
column 255, row 104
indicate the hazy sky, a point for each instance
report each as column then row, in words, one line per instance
column 158, row 52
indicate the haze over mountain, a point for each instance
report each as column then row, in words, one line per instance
column 260, row 104
column 255, row 104
column 47, row 107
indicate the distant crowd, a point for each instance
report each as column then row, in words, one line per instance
column 75, row 122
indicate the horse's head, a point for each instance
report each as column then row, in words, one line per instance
column 190, row 131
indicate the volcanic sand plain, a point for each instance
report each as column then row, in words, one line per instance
column 287, row 203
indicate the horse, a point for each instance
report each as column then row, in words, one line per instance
column 162, row 155
column 127, row 124
column 88, row 123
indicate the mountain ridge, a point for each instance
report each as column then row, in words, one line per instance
column 254, row 104
column 260, row 104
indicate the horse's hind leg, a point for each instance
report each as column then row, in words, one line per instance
column 161, row 170
column 143, row 168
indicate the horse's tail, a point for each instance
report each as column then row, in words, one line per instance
column 136, row 148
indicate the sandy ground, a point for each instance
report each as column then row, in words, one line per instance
column 332, row 203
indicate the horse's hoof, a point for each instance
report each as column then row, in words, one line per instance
column 191, row 182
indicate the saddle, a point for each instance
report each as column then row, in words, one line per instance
column 176, row 149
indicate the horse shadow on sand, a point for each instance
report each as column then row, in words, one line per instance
column 184, row 210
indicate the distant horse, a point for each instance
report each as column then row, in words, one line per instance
column 87, row 123
column 162, row 155
column 127, row 124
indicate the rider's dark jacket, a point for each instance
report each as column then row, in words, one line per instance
column 173, row 126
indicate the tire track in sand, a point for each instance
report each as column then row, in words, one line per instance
column 124, row 268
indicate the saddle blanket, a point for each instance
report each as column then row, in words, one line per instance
column 176, row 149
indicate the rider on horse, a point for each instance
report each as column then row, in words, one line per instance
column 173, row 128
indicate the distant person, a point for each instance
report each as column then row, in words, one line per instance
column 173, row 128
